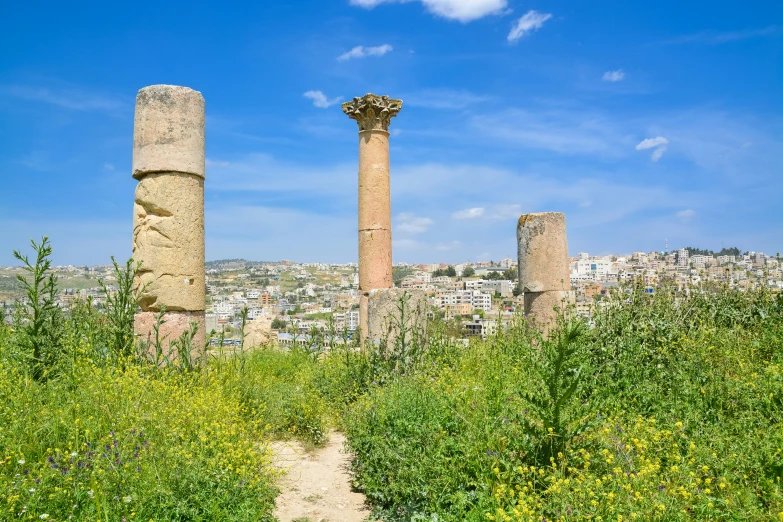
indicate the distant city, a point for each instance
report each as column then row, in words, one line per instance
column 285, row 301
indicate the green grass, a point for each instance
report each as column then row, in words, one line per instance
column 677, row 414
column 666, row 407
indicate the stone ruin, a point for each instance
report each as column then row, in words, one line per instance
column 543, row 266
column 168, row 223
column 168, row 212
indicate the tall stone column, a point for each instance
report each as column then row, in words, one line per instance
column 543, row 265
column 168, row 211
column 373, row 115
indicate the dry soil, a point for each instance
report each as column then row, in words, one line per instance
column 316, row 485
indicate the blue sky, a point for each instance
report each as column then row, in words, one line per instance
column 642, row 121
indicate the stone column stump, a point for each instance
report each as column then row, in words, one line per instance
column 543, row 266
column 168, row 212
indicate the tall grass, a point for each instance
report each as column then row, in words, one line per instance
column 665, row 407
column 668, row 407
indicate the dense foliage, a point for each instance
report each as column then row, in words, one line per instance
column 668, row 408
column 665, row 407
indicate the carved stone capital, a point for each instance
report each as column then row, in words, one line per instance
column 372, row 112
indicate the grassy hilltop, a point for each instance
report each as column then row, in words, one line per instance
column 666, row 407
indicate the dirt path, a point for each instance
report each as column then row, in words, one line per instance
column 317, row 484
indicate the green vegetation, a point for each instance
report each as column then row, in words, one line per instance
column 669, row 408
column 666, row 407
column 731, row 251
column 449, row 271
column 506, row 275
column 401, row 272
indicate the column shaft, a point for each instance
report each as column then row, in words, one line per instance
column 168, row 216
column 375, row 247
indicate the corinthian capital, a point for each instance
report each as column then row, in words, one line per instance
column 372, row 112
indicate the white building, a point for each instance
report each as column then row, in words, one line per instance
column 682, row 257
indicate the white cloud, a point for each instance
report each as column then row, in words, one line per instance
column 532, row 21
column 504, row 211
column 444, row 99
column 468, row 213
column 451, row 245
column 407, row 244
column 320, row 99
column 686, row 213
column 657, row 153
column 362, row 52
column 659, row 144
column 495, row 212
column 409, row 223
column 70, row 97
column 108, row 166
column 461, row 10
column 613, row 76
column 716, row 38
column 565, row 130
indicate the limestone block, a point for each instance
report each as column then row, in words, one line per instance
column 168, row 239
column 543, row 252
column 374, row 184
column 168, row 134
column 540, row 306
column 386, row 317
column 258, row 332
column 375, row 259
column 364, row 305
column 174, row 324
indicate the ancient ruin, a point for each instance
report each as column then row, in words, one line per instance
column 168, row 211
column 373, row 115
column 543, row 265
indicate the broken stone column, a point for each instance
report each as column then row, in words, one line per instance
column 373, row 115
column 543, row 266
column 168, row 212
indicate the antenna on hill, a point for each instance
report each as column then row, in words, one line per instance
column 667, row 246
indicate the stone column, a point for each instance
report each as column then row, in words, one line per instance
column 168, row 211
column 543, row 265
column 373, row 114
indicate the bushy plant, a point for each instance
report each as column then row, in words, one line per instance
column 676, row 414
column 38, row 320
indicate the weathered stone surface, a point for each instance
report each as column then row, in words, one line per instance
column 374, row 185
column 168, row 238
column 387, row 316
column 372, row 112
column 540, row 307
column 375, row 259
column 543, row 252
column 364, row 305
column 168, row 133
column 258, row 332
column 174, row 324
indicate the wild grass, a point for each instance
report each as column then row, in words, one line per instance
column 669, row 407
column 665, row 407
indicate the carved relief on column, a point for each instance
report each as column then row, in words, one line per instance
column 372, row 112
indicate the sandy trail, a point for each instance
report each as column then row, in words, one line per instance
column 317, row 485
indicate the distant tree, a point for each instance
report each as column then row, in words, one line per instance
column 516, row 291
column 468, row 271
column 399, row 273
column 451, row 272
column 279, row 323
column 732, row 251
